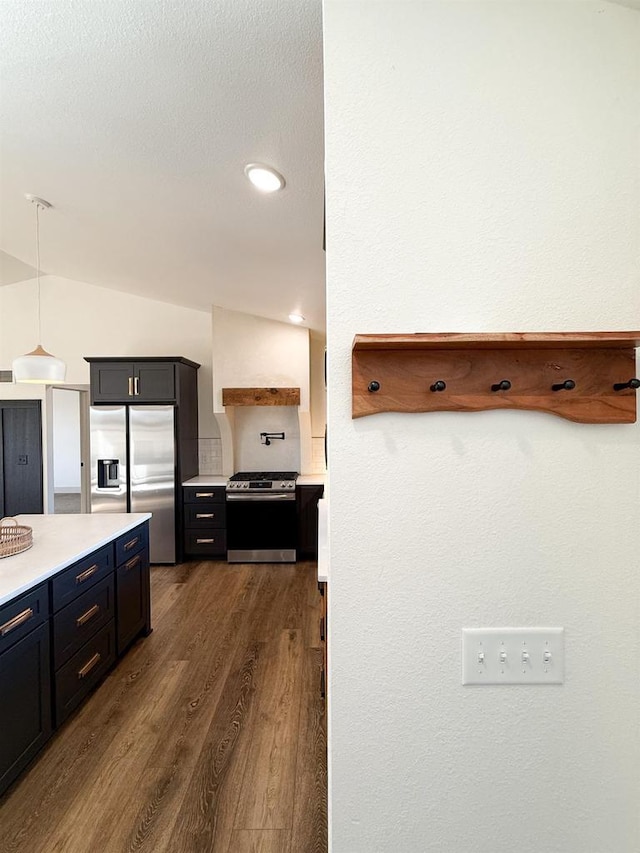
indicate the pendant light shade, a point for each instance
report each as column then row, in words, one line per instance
column 38, row 366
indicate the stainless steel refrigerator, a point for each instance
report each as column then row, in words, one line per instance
column 133, row 469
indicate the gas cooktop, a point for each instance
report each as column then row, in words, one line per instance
column 260, row 480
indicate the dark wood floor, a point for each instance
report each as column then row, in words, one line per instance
column 208, row 736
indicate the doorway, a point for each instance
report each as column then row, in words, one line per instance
column 68, row 469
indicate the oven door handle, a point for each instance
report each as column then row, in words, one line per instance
column 287, row 496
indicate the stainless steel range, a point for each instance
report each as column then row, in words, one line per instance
column 261, row 517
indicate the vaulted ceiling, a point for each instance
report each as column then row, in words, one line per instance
column 135, row 119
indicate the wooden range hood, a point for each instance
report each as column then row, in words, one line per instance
column 260, row 396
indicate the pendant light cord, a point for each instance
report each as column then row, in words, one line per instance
column 38, row 270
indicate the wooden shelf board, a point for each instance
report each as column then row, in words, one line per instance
column 501, row 340
column 260, row 396
column 404, row 367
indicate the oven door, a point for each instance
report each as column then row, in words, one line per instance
column 261, row 528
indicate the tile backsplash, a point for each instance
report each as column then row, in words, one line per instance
column 210, row 456
column 317, row 456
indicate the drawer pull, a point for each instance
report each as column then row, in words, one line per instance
column 205, row 541
column 89, row 665
column 131, row 543
column 136, row 386
column 322, row 630
column 131, row 386
column 18, row 620
column 83, row 576
column 91, row 612
column 130, row 564
column 205, row 515
column 204, row 494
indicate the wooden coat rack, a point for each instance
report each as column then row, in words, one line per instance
column 587, row 377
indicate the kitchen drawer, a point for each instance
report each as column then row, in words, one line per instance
column 205, row 515
column 73, row 581
column 83, row 671
column 78, row 622
column 211, row 542
column 132, row 542
column 204, row 494
column 22, row 615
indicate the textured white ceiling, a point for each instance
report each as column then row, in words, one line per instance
column 135, row 118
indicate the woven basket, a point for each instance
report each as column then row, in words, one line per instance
column 14, row 537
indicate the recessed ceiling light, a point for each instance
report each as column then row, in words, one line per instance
column 296, row 318
column 264, row 178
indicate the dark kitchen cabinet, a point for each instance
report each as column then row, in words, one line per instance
column 307, row 498
column 25, row 684
column 143, row 380
column 132, row 591
column 59, row 639
column 205, row 522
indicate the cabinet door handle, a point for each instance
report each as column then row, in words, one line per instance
column 89, row 665
column 205, row 515
column 204, row 494
column 14, row 623
column 322, row 630
column 131, row 543
column 83, row 576
column 131, row 386
column 132, row 562
column 205, row 541
column 91, row 612
column 136, row 386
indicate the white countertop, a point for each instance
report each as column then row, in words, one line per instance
column 323, row 540
column 311, row 480
column 220, row 480
column 206, row 480
column 58, row 541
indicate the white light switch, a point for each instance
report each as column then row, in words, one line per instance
column 512, row 655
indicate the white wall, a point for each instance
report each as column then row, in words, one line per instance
column 79, row 319
column 66, row 440
column 503, row 141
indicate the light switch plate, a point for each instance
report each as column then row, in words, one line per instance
column 512, row 655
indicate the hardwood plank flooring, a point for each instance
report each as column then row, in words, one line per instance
column 208, row 736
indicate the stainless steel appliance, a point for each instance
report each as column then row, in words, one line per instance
column 261, row 517
column 133, row 469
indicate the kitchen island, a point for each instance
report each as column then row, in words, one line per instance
column 69, row 608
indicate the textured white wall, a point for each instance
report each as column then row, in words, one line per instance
column 79, row 319
column 482, row 175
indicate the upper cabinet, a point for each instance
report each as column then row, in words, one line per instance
column 145, row 380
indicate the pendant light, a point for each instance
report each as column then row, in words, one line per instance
column 38, row 366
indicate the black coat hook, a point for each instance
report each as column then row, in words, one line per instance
column 440, row 385
column 505, row 385
column 373, row 386
column 632, row 383
column 567, row 385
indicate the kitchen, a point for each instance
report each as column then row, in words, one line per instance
column 88, row 305
column 246, row 447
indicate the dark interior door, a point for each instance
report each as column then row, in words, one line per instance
column 20, row 457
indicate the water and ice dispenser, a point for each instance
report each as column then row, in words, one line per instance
column 108, row 473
